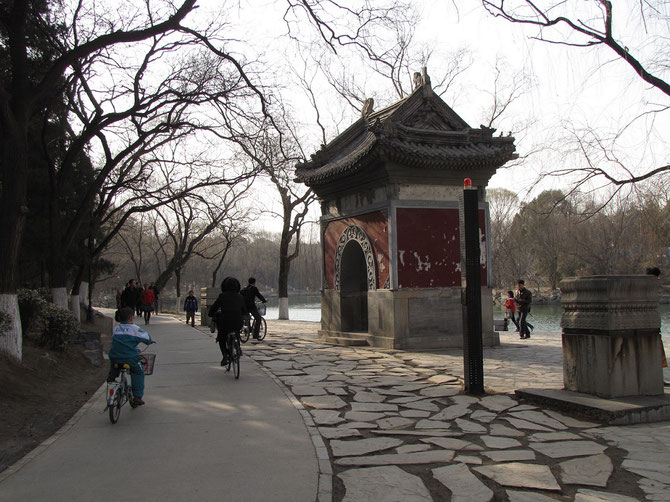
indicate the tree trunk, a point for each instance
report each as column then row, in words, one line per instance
column 283, row 308
column 83, row 293
column 11, row 342
column 59, row 297
column 76, row 309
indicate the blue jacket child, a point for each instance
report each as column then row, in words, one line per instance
column 125, row 339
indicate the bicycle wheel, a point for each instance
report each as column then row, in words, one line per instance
column 235, row 357
column 115, row 406
column 230, row 352
column 244, row 335
column 264, row 329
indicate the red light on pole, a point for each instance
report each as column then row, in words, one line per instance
column 467, row 183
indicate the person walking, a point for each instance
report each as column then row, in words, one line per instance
column 128, row 296
column 190, row 307
column 250, row 293
column 147, row 299
column 138, row 297
column 523, row 299
column 510, row 309
column 154, row 288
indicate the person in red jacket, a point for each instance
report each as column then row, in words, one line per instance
column 510, row 309
column 147, row 298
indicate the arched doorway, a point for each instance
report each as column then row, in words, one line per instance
column 354, row 288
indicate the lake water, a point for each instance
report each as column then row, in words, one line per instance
column 542, row 317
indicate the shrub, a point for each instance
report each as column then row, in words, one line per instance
column 5, row 321
column 58, row 328
column 32, row 303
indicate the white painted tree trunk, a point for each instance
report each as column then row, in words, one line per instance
column 76, row 309
column 283, row 308
column 177, row 307
column 11, row 342
column 59, row 297
column 83, row 293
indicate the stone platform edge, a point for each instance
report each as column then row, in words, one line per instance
column 617, row 411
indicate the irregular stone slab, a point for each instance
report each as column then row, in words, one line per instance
column 442, row 379
column 553, row 436
column 421, row 457
column 326, row 417
column 467, row 459
column 282, row 373
column 389, row 392
column 359, row 425
column 363, row 416
column 498, row 402
column 425, row 405
column 564, row 449
column 521, row 475
column 452, row 412
column 278, row 365
column 523, row 407
column 515, row 496
column 369, row 397
column 483, row 416
column 585, row 495
column 569, row 421
column 307, row 390
column 539, row 418
column 590, row 471
column 440, row 391
column 324, row 402
column 499, row 442
column 431, row 424
column 470, row 427
column 524, row 424
column 374, row 407
column 464, row 486
column 302, row 380
column 395, row 422
column 502, row 430
column 383, row 484
column 337, row 391
column 338, row 432
column 414, row 414
column 510, row 455
column 465, row 400
column 412, row 387
column 426, row 432
column 412, row 448
column 452, row 444
column 362, row 446
column 407, row 399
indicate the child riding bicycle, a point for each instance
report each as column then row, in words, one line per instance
column 125, row 339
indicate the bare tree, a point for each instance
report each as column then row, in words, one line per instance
column 591, row 24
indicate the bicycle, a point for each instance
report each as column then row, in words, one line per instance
column 121, row 392
column 234, row 353
column 249, row 326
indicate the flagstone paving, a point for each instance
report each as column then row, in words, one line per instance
column 396, row 425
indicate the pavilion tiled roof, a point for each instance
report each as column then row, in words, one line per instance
column 420, row 131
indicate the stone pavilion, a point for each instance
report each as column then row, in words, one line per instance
column 390, row 188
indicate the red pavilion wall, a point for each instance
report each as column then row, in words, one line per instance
column 375, row 225
column 429, row 247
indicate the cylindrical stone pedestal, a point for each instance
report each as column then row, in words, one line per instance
column 611, row 335
column 207, row 298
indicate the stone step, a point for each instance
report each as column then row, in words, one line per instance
column 346, row 341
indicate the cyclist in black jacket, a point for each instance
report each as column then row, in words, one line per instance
column 250, row 293
column 228, row 311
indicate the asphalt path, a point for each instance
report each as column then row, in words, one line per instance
column 201, row 436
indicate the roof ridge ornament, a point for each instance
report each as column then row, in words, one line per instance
column 368, row 106
column 421, row 79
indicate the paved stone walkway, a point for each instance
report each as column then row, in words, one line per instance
column 396, row 426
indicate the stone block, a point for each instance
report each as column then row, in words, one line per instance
column 611, row 335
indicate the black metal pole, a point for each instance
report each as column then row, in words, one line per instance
column 473, row 356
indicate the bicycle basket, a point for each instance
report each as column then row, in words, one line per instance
column 147, row 363
column 261, row 308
